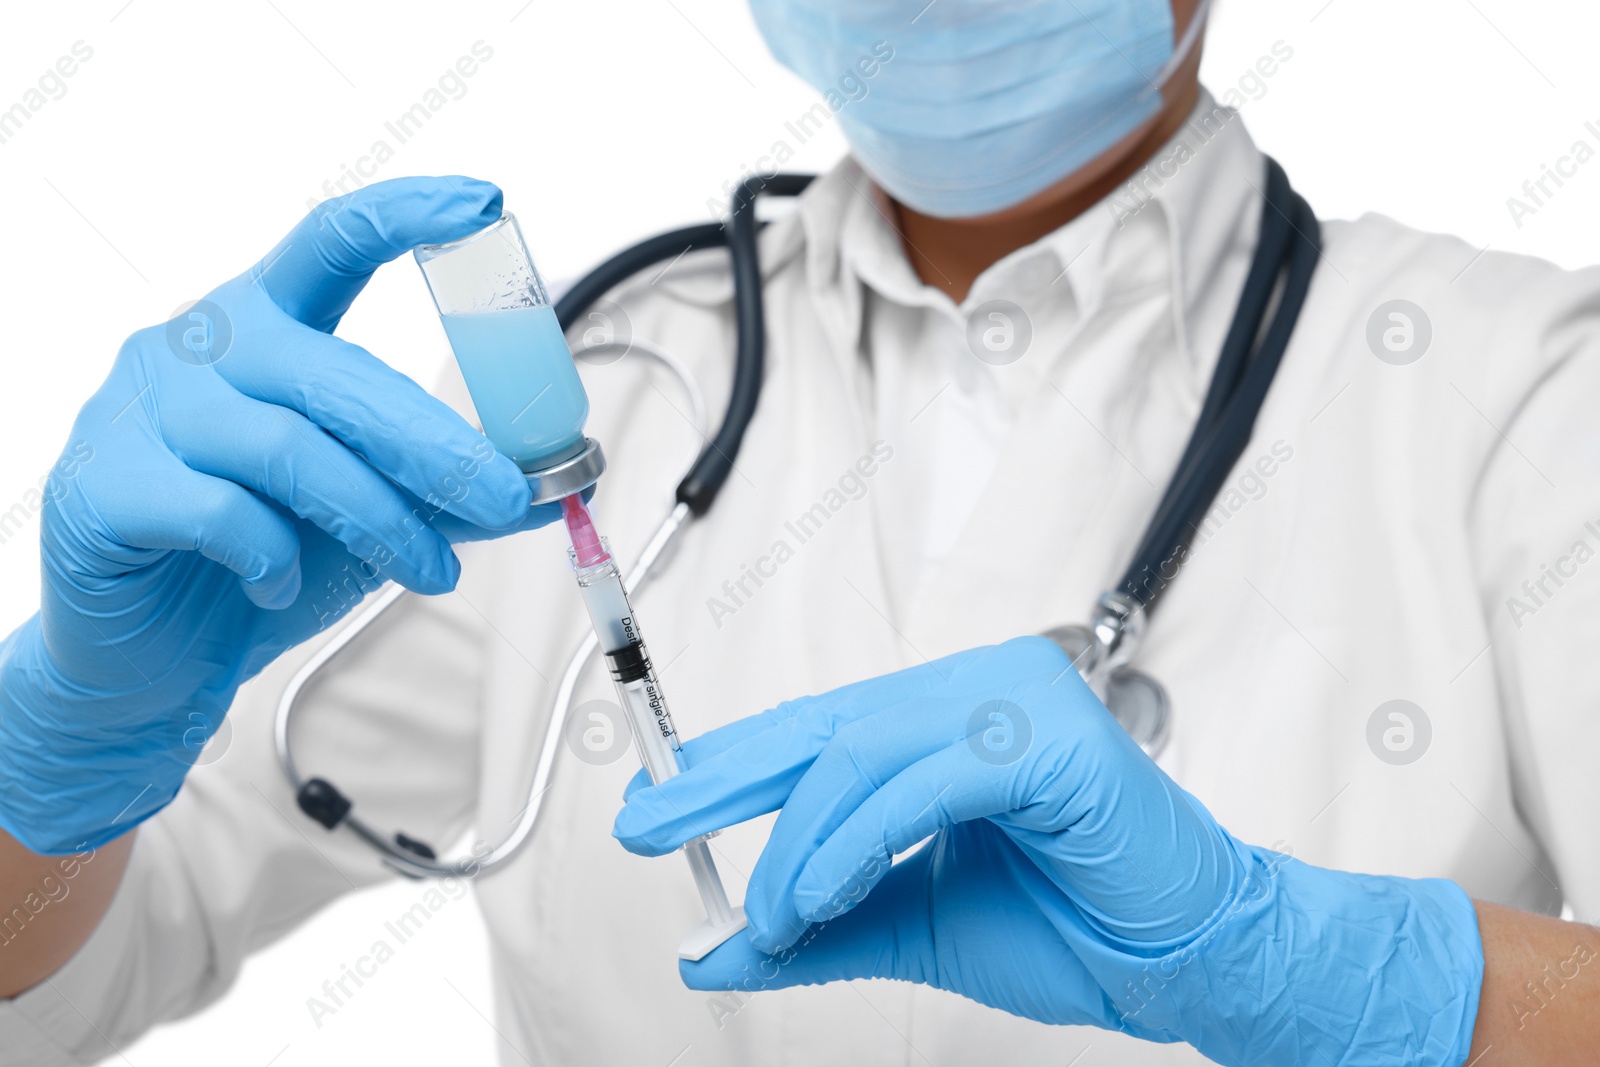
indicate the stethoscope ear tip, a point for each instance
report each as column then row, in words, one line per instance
column 420, row 849
column 322, row 802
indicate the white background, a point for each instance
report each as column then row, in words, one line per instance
column 197, row 133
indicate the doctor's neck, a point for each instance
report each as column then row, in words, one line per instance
column 949, row 254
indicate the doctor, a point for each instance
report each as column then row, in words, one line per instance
column 1378, row 649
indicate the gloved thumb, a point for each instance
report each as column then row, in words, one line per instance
column 318, row 269
column 888, row 935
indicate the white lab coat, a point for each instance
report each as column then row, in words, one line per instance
column 1405, row 505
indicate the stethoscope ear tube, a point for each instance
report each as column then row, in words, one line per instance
column 705, row 479
column 711, row 469
column 1289, row 245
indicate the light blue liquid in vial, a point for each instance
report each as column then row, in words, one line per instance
column 523, row 382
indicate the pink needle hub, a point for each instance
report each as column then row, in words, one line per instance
column 580, row 528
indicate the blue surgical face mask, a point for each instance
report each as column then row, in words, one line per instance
column 967, row 107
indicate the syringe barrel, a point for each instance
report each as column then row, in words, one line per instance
column 606, row 600
column 651, row 726
column 629, row 663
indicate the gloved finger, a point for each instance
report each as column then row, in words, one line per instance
column 755, row 775
column 315, row 272
column 871, row 751
column 412, row 437
column 460, row 531
column 896, row 778
column 165, row 505
column 538, row 515
column 283, row 456
column 888, row 936
column 698, row 749
column 859, row 759
column 950, row 786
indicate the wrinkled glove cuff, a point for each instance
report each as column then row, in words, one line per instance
column 1311, row 966
column 75, row 770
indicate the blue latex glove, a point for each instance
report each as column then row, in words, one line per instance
column 1068, row 879
column 209, row 513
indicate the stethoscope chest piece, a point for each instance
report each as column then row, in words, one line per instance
column 1101, row 653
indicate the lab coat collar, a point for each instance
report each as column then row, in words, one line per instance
column 1201, row 189
column 1208, row 183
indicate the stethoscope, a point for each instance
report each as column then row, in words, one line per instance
column 1280, row 276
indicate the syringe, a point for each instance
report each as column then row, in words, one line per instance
column 639, row 692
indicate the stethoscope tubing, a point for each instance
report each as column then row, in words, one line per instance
column 1288, row 246
column 414, row 864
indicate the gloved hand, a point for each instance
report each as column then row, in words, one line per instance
column 1068, row 879
column 240, row 481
